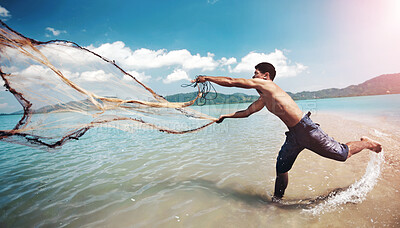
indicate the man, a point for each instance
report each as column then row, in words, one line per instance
column 303, row 132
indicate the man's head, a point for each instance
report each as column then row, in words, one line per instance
column 265, row 67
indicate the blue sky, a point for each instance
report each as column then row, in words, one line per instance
column 315, row 44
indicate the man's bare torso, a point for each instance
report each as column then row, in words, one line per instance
column 280, row 103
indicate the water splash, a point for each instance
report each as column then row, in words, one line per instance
column 380, row 134
column 357, row 192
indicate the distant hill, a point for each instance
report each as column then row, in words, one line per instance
column 79, row 105
column 220, row 98
column 384, row 84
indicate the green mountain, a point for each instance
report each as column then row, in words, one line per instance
column 213, row 98
column 384, row 84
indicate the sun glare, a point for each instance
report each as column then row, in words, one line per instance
column 397, row 10
column 394, row 9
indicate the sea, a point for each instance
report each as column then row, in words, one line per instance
column 222, row 176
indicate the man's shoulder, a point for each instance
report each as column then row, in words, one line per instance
column 267, row 85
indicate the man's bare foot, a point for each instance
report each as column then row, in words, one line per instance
column 373, row 145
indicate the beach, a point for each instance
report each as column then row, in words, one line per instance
column 222, row 176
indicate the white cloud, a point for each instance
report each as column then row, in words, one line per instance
column 4, row 13
column 39, row 77
column 139, row 76
column 150, row 59
column 177, row 75
column 277, row 58
column 95, row 76
column 55, row 32
column 115, row 51
column 67, row 54
column 144, row 59
column 3, row 105
column 212, row 2
column 226, row 62
column 81, row 67
column 36, row 72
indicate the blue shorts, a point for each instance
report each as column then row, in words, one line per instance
column 308, row 135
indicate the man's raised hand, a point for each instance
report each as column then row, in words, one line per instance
column 199, row 79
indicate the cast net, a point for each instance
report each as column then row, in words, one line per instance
column 66, row 89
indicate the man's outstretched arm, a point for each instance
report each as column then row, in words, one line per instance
column 231, row 82
column 254, row 107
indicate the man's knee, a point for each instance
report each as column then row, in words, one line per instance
column 343, row 153
column 285, row 174
column 283, row 166
column 340, row 152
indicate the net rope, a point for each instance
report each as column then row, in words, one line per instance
column 65, row 90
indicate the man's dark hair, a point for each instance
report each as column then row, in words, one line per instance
column 266, row 67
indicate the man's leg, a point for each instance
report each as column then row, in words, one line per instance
column 281, row 183
column 364, row 143
column 286, row 157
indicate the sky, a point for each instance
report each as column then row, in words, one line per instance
column 313, row 44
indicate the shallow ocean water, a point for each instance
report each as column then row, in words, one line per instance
column 222, row 176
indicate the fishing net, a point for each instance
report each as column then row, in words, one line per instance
column 66, row 89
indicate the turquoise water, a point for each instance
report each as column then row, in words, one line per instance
column 221, row 176
column 383, row 105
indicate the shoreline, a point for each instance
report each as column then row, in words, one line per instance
column 380, row 123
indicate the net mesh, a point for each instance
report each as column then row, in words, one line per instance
column 66, row 89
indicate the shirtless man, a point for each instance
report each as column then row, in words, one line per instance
column 303, row 132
